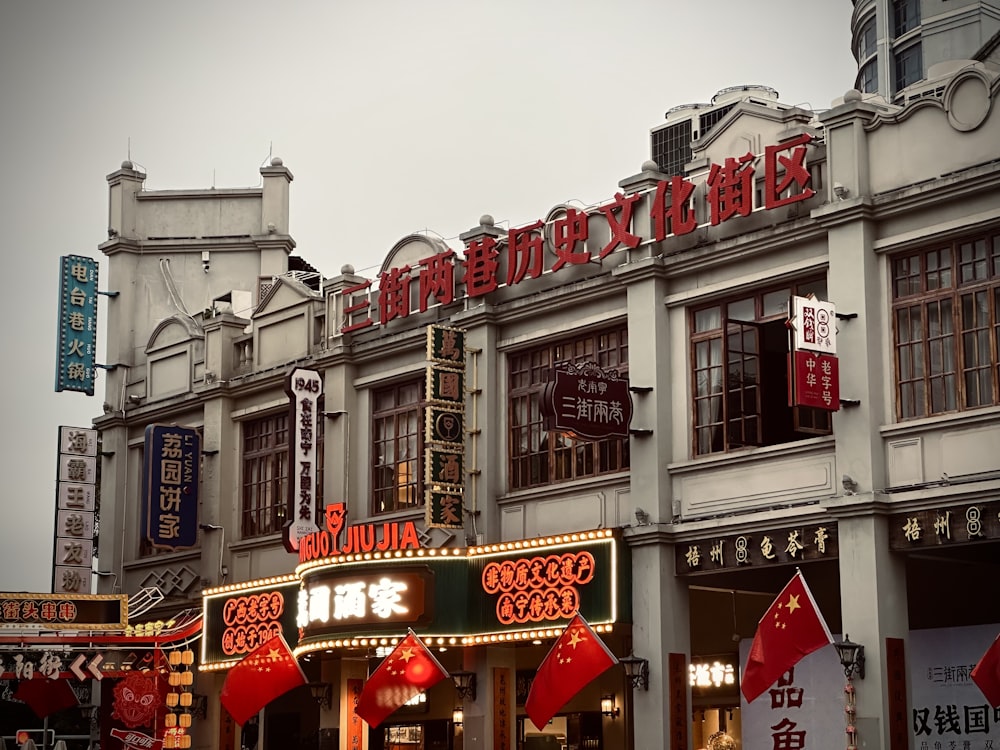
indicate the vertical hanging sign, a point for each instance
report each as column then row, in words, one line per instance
column 304, row 388
column 815, row 375
column 170, row 466
column 444, row 451
column 77, row 324
column 75, row 494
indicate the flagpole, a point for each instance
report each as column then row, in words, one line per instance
column 429, row 653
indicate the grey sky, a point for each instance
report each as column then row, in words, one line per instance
column 393, row 117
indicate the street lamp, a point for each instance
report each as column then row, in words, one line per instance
column 852, row 659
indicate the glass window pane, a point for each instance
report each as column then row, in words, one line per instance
column 709, row 319
column 743, row 309
column 776, row 303
column 817, row 288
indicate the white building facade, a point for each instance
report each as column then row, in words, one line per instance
column 680, row 282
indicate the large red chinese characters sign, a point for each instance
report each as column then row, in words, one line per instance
column 495, row 259
column 816, row 380
column 535, row 589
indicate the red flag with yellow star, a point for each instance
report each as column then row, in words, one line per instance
column 408, row 671
column 575, row 660
column 791, row 628
column 267, row 672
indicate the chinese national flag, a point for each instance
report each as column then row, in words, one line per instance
column 269, row 671
column 45, row 696
column 408, row 671
column 791, row 628
column 575, row 660
column 986, row 674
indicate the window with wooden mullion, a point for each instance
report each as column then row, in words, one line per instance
column 739, row 366
column 945, row 322
column 538, row 457
column 743, row 407
column 397, row 445
column 265, row 475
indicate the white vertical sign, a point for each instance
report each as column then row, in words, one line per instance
column 304, row 388
column 814, row 325
column 805, row 708
column 76, row 492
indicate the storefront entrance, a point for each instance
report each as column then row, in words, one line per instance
column 578, row 731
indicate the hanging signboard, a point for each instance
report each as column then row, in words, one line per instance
column 587, row 402
column 814, row 325
column 304, row 388
column 171, row 465
column 75, row 501
column 77, row 324
column 815, row 380
column 444, row 450
column 64, row 611
column 814, row 373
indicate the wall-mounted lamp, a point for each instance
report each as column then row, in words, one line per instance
column 852, row 657
column 465, row 684
column 637, row 670
column 457, row 716
column 322, row 693
column 608, row 707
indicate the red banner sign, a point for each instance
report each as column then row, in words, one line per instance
column 815, row 380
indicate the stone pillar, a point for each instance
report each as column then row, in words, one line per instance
column 478, row 727
column 661, row 626
column 872, row 580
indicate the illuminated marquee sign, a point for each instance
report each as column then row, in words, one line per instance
column 549, row 585
column 64, row 611
column 171, row 464
column 534, row 589
column 397, row 596
column 494, row 593
column 581, row 237
column 239, row 619
column 360, row 538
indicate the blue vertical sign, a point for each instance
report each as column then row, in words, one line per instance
column 77, row 324
column 170, row 469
